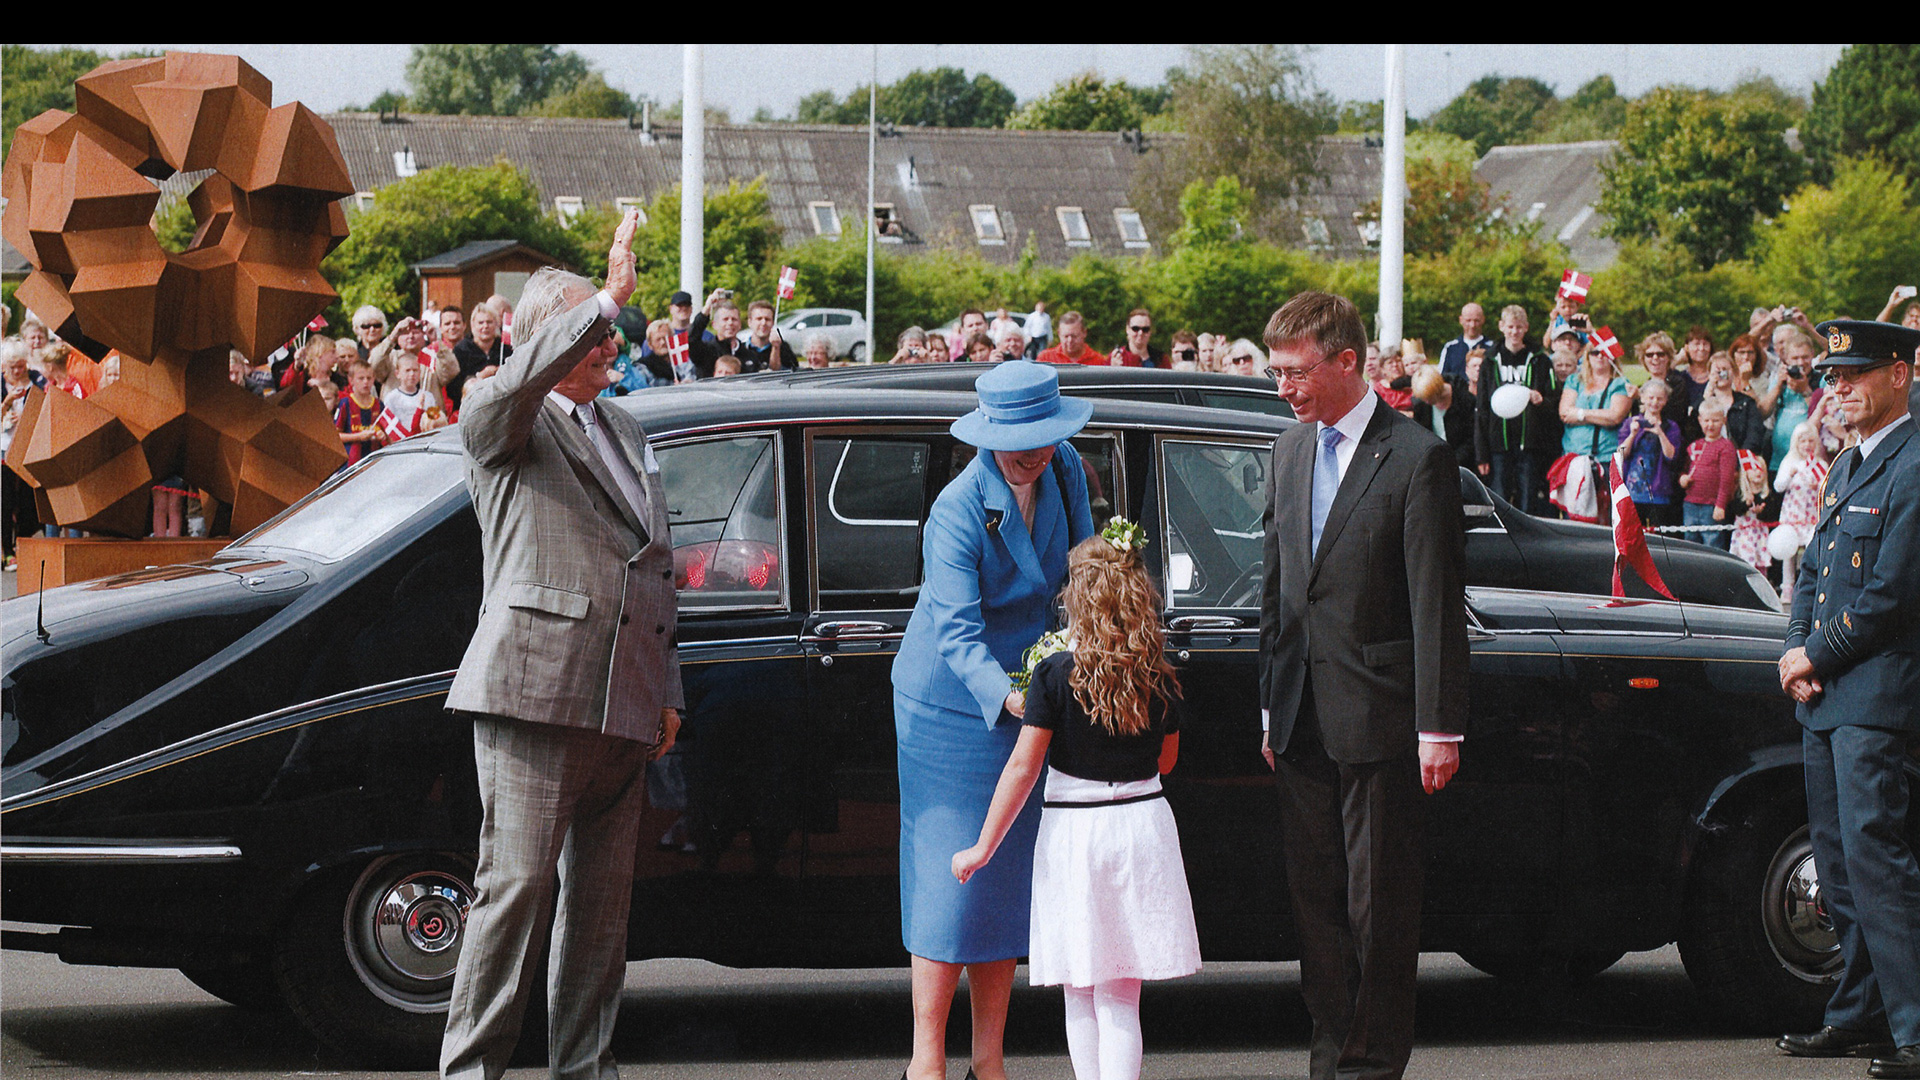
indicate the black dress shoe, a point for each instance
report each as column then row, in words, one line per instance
column 1903, row 1064
column 1830, row 1042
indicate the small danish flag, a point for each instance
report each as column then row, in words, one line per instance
column 1604, row 343
column 1574, row 286
column 789, row 277
column 392, row 430
column 679, row 354
column 1629, row 538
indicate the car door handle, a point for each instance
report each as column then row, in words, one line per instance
column 1188, row 624
column 854, row 629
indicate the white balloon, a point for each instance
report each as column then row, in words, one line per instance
column 1511, row 400
column 1783, row 542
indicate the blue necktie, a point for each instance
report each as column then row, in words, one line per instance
column 1326, row 481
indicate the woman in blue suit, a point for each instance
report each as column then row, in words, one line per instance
column 996, row 555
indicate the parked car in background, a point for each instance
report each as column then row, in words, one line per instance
column 243, row 768
column 844, row 327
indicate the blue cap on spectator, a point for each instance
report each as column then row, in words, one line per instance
column 680, row 299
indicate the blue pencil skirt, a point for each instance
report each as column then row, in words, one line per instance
column 950, row 763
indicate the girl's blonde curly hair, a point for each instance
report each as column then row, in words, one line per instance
column 1119, row 651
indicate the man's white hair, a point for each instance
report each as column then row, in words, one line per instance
column 549, row 292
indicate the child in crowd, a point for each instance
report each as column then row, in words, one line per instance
column 1712, row 471
column 1801, row 476
column 1649, row 444
column 1393, row 368
column 1749, row 532
column 1110, row 901
column 414, row 407
column 358, row 415
column 726, row 365
column 329, row 395
column 53, row 361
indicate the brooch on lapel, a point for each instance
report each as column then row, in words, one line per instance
column 993, row 520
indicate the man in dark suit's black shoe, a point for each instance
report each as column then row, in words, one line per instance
column 1904, row 1064
column 1831, row 1041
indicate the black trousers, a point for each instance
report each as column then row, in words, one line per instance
column 1353, row 835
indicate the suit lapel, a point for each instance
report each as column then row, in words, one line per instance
column 1297, row 462
column 1367, row 458
column 633, row 447
column 575, row 444
column 1012, row 528
column 1865, row 470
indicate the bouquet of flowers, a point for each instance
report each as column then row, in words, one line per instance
column 1036, row 652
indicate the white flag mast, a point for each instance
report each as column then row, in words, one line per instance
column 693, row 175
column 1393, row 199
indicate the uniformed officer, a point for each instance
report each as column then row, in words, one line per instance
column 1852, row 662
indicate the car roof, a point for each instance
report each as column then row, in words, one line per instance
column 960, row 376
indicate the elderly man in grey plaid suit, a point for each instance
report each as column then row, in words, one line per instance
column 572, row 679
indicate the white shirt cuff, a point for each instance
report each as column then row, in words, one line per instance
column 1440, row 736
column 1263, row 720
column 608, row 309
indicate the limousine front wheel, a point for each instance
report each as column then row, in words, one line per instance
column 1756, row 941
column 367, row 960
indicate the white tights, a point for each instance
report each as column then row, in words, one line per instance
column 1103, row 1030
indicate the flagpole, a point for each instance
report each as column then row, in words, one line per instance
column 1393, row 199
column 873, row 109
column 693, row 174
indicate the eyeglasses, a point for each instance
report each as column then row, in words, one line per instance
column 373, row 326
column 1657, row 352
column 1848, row 374
column 1141, row 329
column 1283, row 376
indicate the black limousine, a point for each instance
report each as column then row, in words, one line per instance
column 242, row 767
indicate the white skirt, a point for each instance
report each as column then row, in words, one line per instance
column 1110, row 897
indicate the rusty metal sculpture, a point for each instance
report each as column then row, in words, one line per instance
column 80, row 190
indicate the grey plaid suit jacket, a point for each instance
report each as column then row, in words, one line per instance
column 577, row 625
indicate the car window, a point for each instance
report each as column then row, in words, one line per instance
column 723, row 499
column 362, row 505
column 1099, row 456
column 1215, row 495
column 1246, row 401
column 838, row 320
column 870, row 501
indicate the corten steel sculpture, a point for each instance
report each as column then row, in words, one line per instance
column 80, row 199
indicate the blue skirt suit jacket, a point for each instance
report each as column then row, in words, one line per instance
column 987, row 595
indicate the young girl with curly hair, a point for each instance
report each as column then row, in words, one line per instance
column 1110, row 902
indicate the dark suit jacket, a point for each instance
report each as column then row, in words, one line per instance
column 1379, row 616
column 1856, row 603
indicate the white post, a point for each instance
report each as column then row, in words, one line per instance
column 1393, row 199
column 693, row 176
column 873, row 104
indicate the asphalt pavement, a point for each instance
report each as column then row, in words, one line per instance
column 689, row 1020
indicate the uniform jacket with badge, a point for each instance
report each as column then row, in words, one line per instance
column 1856, row 603
column 1378, row 615
column 577, row 627
column 989, row 586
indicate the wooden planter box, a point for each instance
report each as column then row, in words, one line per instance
column 71, row 559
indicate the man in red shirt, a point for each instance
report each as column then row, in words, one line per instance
column 1138, row 352
column 1073, row 344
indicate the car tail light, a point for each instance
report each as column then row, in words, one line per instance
column 727, row 565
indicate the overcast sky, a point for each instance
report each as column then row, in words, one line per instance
column 742, row 78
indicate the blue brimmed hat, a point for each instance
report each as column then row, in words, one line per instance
column 1021, row 409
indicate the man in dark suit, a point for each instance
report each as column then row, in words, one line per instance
column 572, row 680
column 1363, row 678
column 1852, row 661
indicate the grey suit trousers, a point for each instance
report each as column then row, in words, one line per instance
column 554, row 800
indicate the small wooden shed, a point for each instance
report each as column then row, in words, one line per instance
column 470, row 273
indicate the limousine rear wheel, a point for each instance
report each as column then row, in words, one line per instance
column 1755, row 940
column 368, row 958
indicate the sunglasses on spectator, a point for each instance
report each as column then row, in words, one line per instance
column 1141, row 329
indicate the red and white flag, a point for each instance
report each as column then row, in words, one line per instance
column 1604, row 343
column 789, row 277
column 1629, row 540
column 392, row 429
column 680, row 355
column 1574, row 286
column 316, row 324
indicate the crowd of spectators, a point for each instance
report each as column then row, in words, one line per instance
column 1730, row 443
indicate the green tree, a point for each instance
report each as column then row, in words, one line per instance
column 1493, row 269
column 424, row 215
column 1494, row 112
column 1087, row 102
column 943, row 97
column 173, row 224
column 35, row 80
column 740, row 242
column 490, row 80
column 1836, row 251
column 1251, row 112
column 1869, row 102
column 1698, row 169
column 590, row 98
column 1657, row 285
column 1595, row 111
column 1213, row 215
